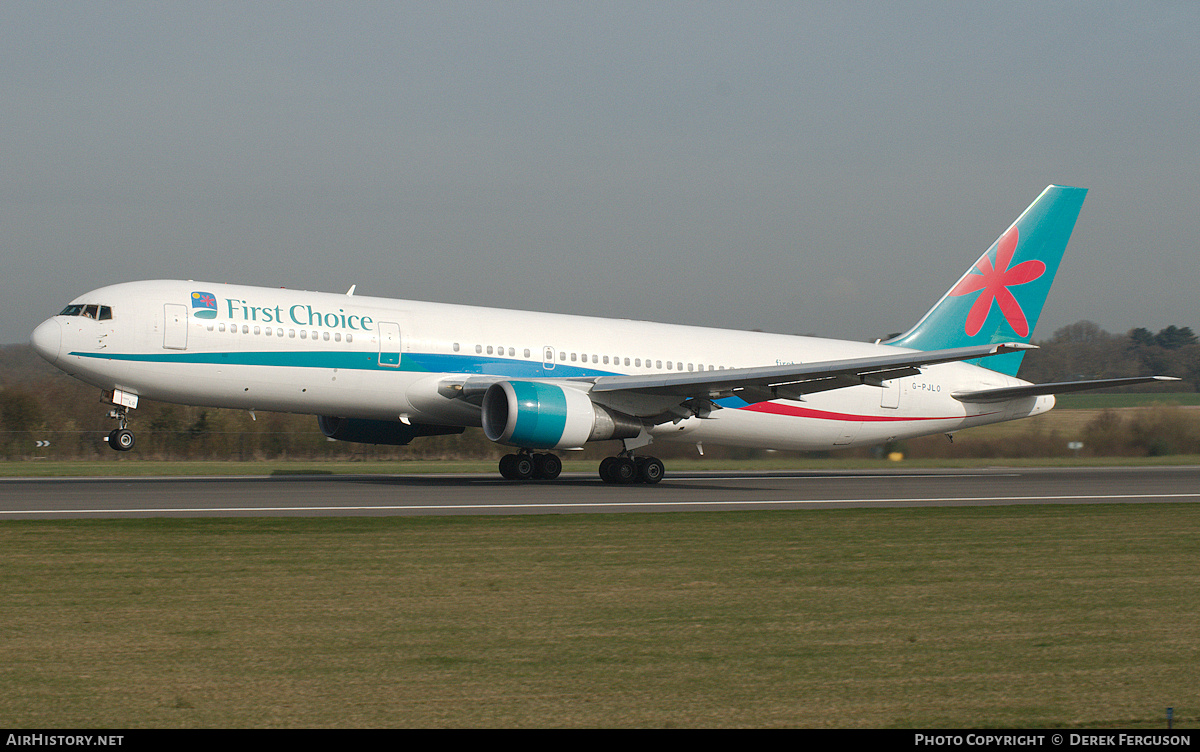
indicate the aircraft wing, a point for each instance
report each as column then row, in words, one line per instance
column 791, row 381
column 1004, row 394
column 759, row 384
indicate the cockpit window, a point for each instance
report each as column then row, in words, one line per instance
column 99, row 312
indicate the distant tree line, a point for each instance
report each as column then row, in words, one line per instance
column 40, row 404
column 1085, row 351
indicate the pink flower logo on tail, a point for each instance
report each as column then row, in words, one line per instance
column 994, row 282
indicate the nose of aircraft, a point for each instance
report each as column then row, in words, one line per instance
column 47, row 339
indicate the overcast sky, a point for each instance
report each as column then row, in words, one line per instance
column 826, row 168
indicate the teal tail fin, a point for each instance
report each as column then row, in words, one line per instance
column 1001, row 296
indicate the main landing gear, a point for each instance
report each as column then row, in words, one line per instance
column 525, row 465
column 625, row 468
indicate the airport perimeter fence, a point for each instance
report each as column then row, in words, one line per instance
column 242, row 446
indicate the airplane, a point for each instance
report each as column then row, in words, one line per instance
column 387, row 371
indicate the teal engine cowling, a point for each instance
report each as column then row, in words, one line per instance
column 537, row 415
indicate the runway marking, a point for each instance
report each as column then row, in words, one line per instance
column 836, row 476
column 597, row 504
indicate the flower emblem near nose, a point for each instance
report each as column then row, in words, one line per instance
column 204, row 305
column 994, row 282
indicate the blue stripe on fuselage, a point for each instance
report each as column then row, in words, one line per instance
column 364, row 361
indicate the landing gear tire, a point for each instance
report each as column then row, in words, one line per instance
column 650, row 470
column 605, row 464
column 619, row 470
column 546, row 466
column 121, row 439
column 517, row 466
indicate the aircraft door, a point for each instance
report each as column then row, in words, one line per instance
column 389, row 344
column 847, row 432
column 547, row 358
column 891, row 394
column 175, row 328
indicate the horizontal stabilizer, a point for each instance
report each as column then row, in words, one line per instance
column 1004, row 394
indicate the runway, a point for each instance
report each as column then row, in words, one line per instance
column 487, row 494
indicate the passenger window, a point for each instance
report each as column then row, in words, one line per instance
column 303, row 334
column 455, row 347
column 526, row 352
column 325, row 336
column 337, row 336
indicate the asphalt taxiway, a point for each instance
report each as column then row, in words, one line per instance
column 365, row 495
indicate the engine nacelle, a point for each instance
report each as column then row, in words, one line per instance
column 364, row 431
column 537, row 415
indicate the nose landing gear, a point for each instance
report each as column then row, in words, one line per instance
column 120, row 438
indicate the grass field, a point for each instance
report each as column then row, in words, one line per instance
column 1057, row 616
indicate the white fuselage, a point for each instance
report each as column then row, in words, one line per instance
column 360, row 357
